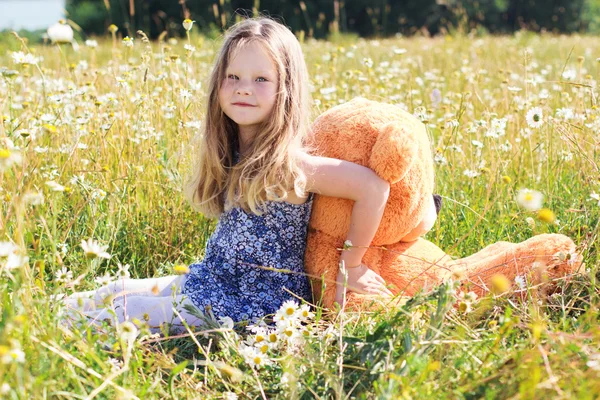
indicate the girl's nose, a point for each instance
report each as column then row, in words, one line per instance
column 243, row 90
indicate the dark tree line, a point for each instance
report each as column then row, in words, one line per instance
column 319, row 18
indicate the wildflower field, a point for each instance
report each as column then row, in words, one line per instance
column 95, row 144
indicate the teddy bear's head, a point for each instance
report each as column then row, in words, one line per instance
column 395, row 145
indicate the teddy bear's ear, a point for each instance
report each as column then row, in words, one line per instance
column 398, row 146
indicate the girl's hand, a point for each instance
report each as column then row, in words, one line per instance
column 361, row 279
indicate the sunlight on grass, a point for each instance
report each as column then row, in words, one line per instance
column 95, row 145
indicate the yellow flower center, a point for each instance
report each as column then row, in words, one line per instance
column 259, row 338
column 257, row 360
column 4, row 153
column 272, row 338
column 546, row 215
column 264, row 348
column 528, row 197
column 289, row 311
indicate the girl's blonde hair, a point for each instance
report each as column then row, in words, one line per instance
column 270, row 167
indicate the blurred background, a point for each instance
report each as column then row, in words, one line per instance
column 316, row 18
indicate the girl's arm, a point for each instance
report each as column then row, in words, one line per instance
column 343, row 179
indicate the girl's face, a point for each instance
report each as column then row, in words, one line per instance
column 248, row 93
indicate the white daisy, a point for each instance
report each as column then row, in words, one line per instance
column 93, row 249
column 531, row 200
column 15, row 261
column 254, row 357
column 128, row 331
column 123, row 270
column 8, row 158
column 54, row 186
column 287, row 310
column 304, row 313
column 7, row 248
column 63, row 275
column 14, row 355
column 104, row 279
column 535, row 117
column 595, row 197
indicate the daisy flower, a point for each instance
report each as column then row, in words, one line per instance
column 304, row 313
column 104, row 279
column 531, row 200
column 535, row 117
column 63, row 275
column 123, row 270
column 128, row 331
column 7, row 248
column 93, row 249
column 55, row 186
column 8, row 158
column 254, row 357
column 287, row 310
column 595, row 197
column 15, row 261
column 14, row 355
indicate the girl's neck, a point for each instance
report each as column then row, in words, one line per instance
column 245, row 135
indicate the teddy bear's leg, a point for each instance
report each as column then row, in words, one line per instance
column 539, row 258
column 414, row 266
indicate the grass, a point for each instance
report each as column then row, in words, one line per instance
column 115, row 127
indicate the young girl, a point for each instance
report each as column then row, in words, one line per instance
column 256, row 175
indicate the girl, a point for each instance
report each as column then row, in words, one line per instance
column 255, row 173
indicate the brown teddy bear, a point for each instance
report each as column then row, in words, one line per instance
column 395, row 145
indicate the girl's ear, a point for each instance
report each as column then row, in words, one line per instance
column 396, row 149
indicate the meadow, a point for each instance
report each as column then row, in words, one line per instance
column 96, row 143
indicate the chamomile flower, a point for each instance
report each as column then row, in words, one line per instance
column 287, row 310
column 7, row 248
column 535, row 117
column 259, row 338
column 128, row 331
column 254, row 357
column 93, row 249
column 55, row 187
column 14, row 261
column 63, row 275
column 123, row 271
column 14, row 355
column 8, row 158
column 60, row 32
column 26, row 59
column 595, row 197
column 188, row 24
column 520, row 281
column 104, row 279
column 127, row 41
column 304, row 313
column 531, row 200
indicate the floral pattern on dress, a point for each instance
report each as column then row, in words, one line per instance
column 232, row 279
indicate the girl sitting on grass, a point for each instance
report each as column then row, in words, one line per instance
column 254, row 173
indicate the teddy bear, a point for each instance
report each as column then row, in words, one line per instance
column 395, row 145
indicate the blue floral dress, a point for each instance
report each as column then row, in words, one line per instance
column 251, row 260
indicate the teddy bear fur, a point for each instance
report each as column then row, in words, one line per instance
column 395, row 145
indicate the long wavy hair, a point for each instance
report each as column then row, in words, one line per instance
column 270, row 169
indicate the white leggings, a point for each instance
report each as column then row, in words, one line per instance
column 151, row 300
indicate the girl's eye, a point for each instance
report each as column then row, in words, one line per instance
column 232, row 77
column 261, row 79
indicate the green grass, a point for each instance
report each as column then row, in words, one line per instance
column 122, row 125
